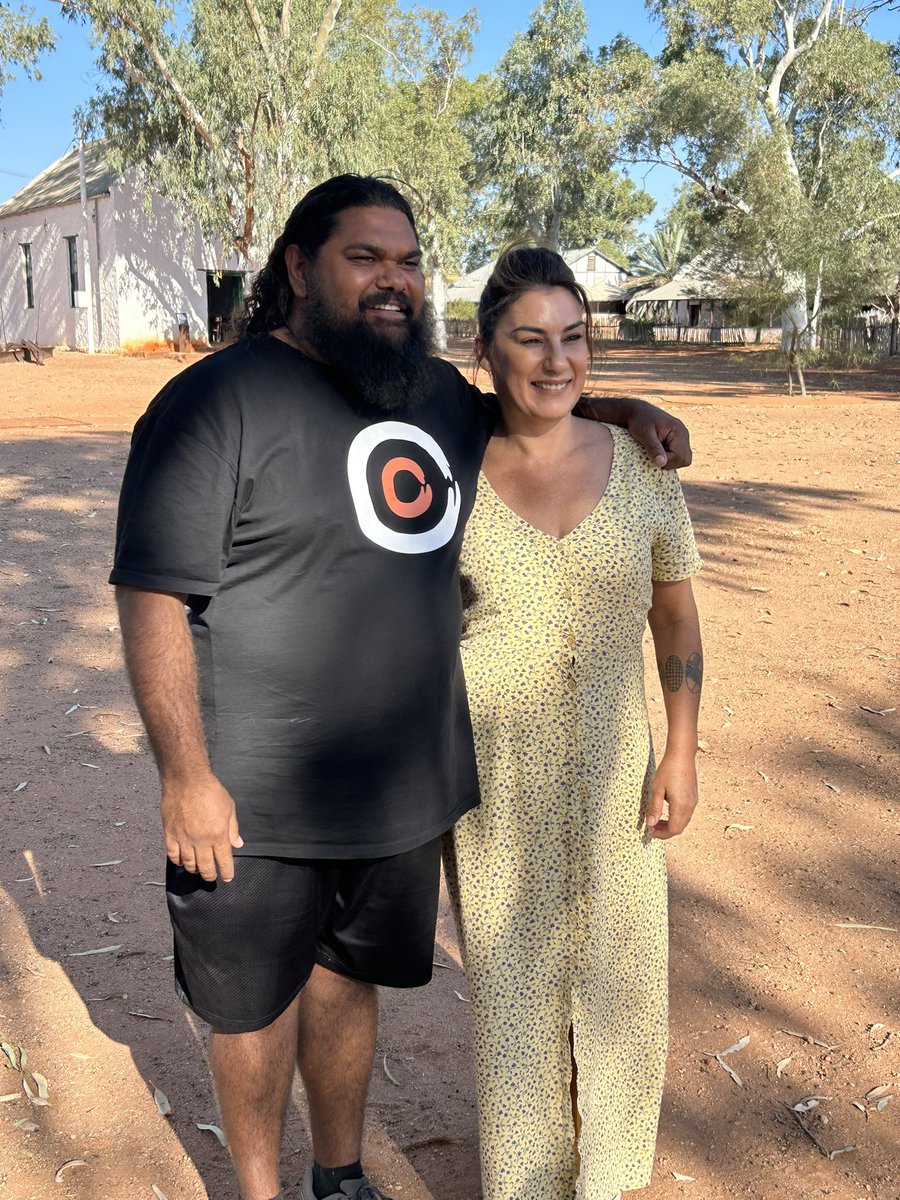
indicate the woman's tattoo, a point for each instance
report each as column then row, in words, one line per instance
column 673, row 673
column 694, row 671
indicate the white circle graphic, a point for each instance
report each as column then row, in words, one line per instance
column 373, row 527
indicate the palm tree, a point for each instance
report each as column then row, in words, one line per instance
column 661, row 255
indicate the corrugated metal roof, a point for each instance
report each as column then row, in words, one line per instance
column 684, row 289
column 58, row 184
column 604, row 291
column 705, row 277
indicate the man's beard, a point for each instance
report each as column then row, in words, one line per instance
column 390, row 370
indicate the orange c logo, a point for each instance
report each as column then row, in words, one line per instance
column 405, row 508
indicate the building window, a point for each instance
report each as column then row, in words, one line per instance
column 29, row 275
column 592, row 262
column 72, row 252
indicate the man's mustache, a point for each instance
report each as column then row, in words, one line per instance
column 399, row 299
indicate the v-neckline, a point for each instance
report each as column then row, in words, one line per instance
column 613, row 466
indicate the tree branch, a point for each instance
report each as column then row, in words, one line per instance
column 717, row 192
column 185, row 105
column 328, row 21
column 245, row 239
column 404, row 67
column 791, row 54
column 259, row 29
column 819, row 170
column 879, row 220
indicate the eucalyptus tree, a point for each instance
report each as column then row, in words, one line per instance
column 783, row 115
column 233, row 108
column 423, row 124
column 22, row 40
column 544, row 150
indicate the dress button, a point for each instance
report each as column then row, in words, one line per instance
column 570, row 640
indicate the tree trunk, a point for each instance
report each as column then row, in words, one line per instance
column 794, row 364
column 795, row 319
column 551, row 237
column 813, row 340
column 439, row 304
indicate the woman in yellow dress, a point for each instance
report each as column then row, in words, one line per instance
column 558, row 879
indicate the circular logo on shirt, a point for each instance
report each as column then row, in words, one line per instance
column 403, row 490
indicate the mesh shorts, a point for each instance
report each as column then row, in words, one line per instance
column 243, row 950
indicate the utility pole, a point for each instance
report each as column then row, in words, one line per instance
column 86, row 225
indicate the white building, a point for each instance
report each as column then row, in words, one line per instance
column 604, row 280
column 694, row 306
column 150, row 271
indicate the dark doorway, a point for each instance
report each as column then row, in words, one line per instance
column 224, row 296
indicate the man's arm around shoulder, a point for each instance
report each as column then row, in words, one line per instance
column 198, row 814
column 664, row 437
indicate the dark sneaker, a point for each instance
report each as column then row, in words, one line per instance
column 359, row 1189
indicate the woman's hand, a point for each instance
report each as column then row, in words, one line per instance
column 674, row 786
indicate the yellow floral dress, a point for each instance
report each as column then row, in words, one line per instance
column 560, row 894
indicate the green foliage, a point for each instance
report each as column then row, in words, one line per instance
column 22, row 40
column 662, row 254
column 637, row 329
column 462, row 310
column 234, row 112
column 543, row 146
column 422, row 121
column 782, row 115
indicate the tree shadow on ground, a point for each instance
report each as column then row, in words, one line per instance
column 752, row 957
column 732, row 515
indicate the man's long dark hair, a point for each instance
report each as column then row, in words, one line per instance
column 310, row 225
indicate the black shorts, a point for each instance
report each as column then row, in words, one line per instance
column 243, row 950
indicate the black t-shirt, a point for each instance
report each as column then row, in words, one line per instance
column 317, row 540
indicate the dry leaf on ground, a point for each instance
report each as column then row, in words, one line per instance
column 387, row 1072
column 67, row 1166
column 214, row 1129
column 85, row 953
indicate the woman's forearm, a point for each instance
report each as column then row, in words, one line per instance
column 679, row 655
column 679, row 658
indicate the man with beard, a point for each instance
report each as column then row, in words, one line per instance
column 286, row 558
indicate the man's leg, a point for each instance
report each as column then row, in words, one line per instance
column 338, row 1023
column 253, row 1073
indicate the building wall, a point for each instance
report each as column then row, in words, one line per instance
column 53, row 321
column 147, row 267
column 160, row 268
column 603, row 271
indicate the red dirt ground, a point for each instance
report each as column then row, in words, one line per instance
column 785, row 891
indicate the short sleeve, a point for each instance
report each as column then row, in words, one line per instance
column 674, row 549
column 177, row 506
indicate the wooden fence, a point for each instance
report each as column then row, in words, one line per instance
column 627, row 330
column 880, row 340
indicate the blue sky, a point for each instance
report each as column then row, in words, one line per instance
column 36, row 116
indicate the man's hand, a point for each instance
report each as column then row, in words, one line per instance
column 198, row 815
column 674, row 784
column 665, row 437
column 200, row 827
